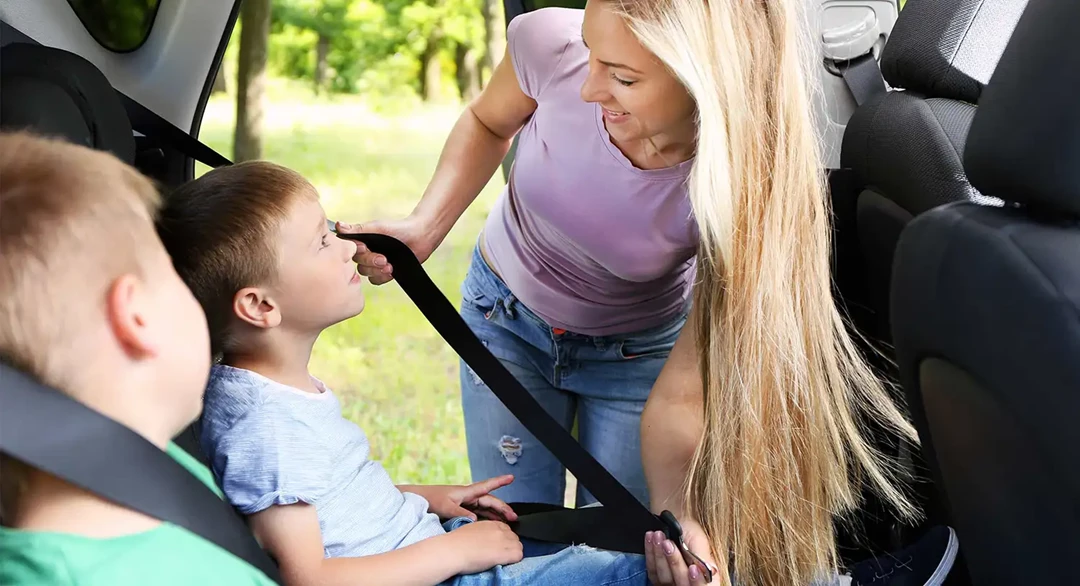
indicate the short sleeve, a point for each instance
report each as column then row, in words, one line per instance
column 267, row 458
column 537, row 41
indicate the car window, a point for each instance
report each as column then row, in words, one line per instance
column 117, row 25
column 537, row 4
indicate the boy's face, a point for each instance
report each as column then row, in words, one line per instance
column 317, row 284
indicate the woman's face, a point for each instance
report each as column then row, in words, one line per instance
column 640, row 98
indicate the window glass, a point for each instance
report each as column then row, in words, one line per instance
column 536, row 4
column 117, row 25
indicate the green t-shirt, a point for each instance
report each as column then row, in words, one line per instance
column 164, row 556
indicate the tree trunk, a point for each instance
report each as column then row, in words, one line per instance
column 494, row 35
column 431, row 69
column 468, row 72
column 221, row 82
column 322, row 49
column 251, row 79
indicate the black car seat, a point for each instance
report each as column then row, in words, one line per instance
column 60, row 94
column 986, row 318
column 56, row 93
column 904, row 147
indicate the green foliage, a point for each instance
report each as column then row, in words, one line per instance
column 374, row 46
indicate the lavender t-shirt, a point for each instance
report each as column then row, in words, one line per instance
column 585, row 239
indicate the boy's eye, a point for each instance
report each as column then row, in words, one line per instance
column 625, row 82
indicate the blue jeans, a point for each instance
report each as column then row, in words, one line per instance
column 558, row 565
column 602, row 380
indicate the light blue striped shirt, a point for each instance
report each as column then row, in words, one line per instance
column 271, row 444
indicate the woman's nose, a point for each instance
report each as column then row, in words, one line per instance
column 593, row 88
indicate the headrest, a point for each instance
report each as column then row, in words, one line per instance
column 948, row 48
column 57, row 93
column 1024, row 144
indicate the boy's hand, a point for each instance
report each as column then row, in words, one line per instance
column 472, row 501
column 485, row 544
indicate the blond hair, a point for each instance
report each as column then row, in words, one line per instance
column 72, row 220
column 787, row 394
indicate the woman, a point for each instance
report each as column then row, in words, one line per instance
column 753, row 431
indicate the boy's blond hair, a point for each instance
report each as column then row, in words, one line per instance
column 220, row 229
column 72, row 220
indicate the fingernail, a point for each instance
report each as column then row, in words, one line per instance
column 669, row 548
column 695, row 573
column 379, row 262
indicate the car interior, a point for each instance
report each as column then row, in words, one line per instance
column 953, row 159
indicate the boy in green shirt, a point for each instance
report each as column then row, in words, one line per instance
column 90, row 304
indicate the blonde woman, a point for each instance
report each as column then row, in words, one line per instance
column 667, row 155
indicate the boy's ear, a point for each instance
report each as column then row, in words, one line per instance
column 128, row 308
column 253, row 306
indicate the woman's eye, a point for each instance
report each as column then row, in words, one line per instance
column 625, row 82
column 324, row 242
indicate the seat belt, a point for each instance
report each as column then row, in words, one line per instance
column 862, row 75
column 95, row 453
column 622, row 522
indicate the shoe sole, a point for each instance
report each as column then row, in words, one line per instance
column 947, row 561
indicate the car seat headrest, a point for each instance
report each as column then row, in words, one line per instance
column 56, row 93
column 948, row 48
column 1024, row 144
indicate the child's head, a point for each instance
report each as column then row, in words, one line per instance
column 89, row 301
column 253, row 244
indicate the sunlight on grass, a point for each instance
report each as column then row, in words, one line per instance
column 395, row 375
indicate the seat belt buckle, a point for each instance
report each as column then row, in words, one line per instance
column 674, row 532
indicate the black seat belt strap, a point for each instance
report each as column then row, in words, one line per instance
column 448, row 322
column 97, row 454
column 862, row 75
column 622, row 522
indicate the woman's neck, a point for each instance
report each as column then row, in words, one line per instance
column 282, row 358
column 661, row 150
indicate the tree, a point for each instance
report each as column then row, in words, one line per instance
column 466, row 59
column 494, row 36
column 328, row 19
column 251, row 79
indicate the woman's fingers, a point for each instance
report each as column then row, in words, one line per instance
column 663, row 567
column 651, row 562
column 676, row 564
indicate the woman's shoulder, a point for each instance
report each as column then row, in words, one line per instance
column 538, row 44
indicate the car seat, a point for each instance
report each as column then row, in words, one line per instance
column 986, row 317
column 904, row 147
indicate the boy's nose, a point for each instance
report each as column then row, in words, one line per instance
column 350, row 249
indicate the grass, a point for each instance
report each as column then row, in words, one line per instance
column 395, row 375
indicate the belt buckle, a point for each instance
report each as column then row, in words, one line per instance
column 674, row 532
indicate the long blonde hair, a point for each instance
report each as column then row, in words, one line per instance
column 787, row 393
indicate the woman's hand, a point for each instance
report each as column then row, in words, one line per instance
column 470, row 501
column 665, row 564
column 413, row 231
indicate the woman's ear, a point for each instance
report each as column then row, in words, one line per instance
column 253, row 306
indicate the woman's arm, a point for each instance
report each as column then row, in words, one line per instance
column 672, row 424
column 476, row 146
